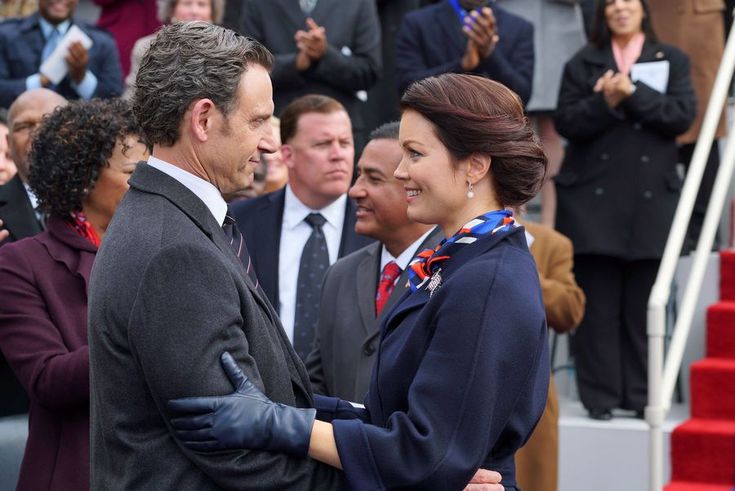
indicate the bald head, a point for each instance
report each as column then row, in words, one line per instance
column 24, row 116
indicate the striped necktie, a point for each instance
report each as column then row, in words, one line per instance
column 232, row 232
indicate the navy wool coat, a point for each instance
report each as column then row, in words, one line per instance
column 460, row 379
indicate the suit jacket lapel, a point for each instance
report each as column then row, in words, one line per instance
column 291, row 10
column 265, row 251
column 367, row 284
column 151, row 180
column 16, row 210
column 33, row 39
column 449, row 22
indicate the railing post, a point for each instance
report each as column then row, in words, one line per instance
column 659, row 373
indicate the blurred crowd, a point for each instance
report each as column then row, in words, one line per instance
column 616, row 90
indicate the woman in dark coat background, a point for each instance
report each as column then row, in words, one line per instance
column 617, row 192
column 81, row 160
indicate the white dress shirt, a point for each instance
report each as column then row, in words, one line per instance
column 405, row 257
column 204, row 190
column 294, row 234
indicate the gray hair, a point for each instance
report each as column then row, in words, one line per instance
column 186, row 62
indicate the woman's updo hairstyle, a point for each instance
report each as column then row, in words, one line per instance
column 472, row 114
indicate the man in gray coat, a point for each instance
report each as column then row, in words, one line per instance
column 327, row 47
column 168, row 293
column 360, row 288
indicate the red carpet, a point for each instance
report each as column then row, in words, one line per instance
column 703, row 448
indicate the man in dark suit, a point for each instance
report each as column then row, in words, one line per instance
column 360, row 288
column 168, row 293
column 329, row 47
column 18, row 217
column 27, row 41
column 17, row 202
column 461, row 36
column 318, row 150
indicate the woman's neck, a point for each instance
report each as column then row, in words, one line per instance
column 99, row 221
column 623, row 40
column 473, row 209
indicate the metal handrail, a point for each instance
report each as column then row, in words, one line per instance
column 662, row 377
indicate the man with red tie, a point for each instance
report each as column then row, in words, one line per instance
column 359, row 288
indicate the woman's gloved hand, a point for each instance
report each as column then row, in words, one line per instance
column 245, row 418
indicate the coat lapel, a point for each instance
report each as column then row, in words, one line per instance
column 367, row 284
column 33, row 40
column 448, row 21
column 265, row 250
column 70, row 249
column 412, row 301
column 291, row 11
column 16, row 210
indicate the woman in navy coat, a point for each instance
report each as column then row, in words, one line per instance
column 462, row 370
column 44, row 279
column 623, row 100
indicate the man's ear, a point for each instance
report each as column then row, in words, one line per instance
column 201, row 120
column 287, row 154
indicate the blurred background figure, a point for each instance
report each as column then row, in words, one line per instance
column 276, row 171
column 28, row 41
column 127, row 21
column 17, row 8
column 328, row 47
column 18, row 204
column 44, row 280
column 7, row 167
column 558, row 34
column 617, row 192
column 466, row 36
column 537, row 462
column 697, row 29
column 170, row 11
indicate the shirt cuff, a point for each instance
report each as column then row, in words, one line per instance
column 87, row 87
column 33, row 81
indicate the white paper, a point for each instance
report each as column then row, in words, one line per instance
column 655, row 74
column 55, row 67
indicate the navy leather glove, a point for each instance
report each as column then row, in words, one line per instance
column 245, row 418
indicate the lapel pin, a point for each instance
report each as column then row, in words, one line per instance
column 659, row 54
column 435, row 282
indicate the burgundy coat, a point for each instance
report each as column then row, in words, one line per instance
column 43, row 335
column 128, row 21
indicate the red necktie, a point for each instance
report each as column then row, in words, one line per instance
column 391, row 272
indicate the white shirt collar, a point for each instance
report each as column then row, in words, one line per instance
column 405, row 257
column 31, row 196
column 294, row 211
column 204, row 190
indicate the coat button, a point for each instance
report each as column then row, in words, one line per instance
column 604, row 156
column 599, row 191
column 644, row 158
column 647, row 194
column 368, row 350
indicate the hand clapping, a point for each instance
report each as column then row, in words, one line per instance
column 481, row 29
column 312, row 44
column 615, row 87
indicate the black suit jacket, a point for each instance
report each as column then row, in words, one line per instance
column 167, row 296
column 21, row 45
column 431, row 42
column 16, row 211
column 260, row 221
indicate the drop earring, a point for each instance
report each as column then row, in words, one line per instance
column 470, row 191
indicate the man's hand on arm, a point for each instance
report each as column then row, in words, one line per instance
column 4, row 234
column 485, row 480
